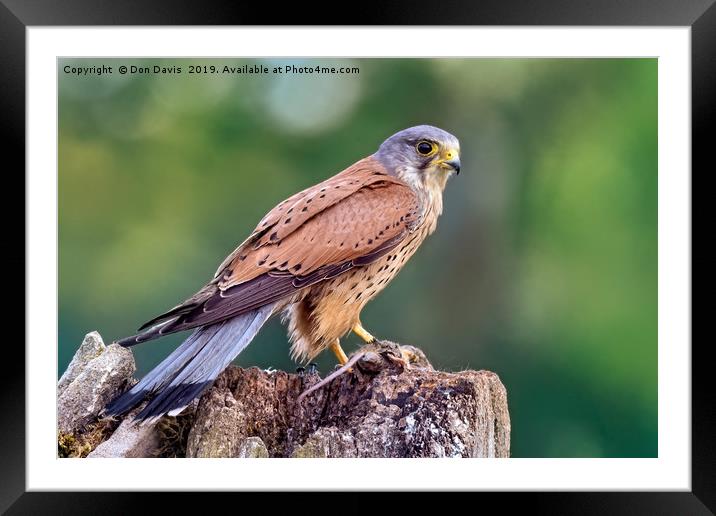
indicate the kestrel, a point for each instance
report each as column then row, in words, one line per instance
column 317, row 258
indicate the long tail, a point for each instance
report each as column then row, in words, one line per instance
column 191, row 368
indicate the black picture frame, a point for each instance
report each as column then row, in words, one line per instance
column 17, row 15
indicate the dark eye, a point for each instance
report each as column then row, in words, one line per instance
column 424, row 148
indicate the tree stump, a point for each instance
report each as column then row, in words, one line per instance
column 378, row 408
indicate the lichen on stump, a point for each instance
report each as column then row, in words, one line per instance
column 388, row 412
column 378, row 408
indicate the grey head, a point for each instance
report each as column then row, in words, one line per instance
column 422, row 156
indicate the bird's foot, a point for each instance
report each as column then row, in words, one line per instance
column 312, row 368
column 368, row 361
column 300, row 371
column 338, row 351
column 363, row 333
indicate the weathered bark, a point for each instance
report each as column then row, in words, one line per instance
column 377, row 409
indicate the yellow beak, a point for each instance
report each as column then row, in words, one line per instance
column 450, row 159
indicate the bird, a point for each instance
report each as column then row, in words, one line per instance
column 316, row 259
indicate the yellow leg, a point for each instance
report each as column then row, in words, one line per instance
column 338, row 351
column 363, row 333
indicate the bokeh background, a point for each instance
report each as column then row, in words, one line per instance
column 543, row 268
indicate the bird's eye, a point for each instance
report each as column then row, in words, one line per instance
column 425, row 148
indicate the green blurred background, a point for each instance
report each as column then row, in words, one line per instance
column 543, row 268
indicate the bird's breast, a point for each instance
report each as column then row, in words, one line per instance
column 328, row 310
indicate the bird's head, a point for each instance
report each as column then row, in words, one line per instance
column 423, row 156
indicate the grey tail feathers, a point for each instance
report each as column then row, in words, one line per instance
column 191, row 368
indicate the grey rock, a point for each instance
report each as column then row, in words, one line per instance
column 130, row 439
column 92, row 382
column 92, row 346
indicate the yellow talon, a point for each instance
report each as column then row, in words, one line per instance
column 363, row 333
column 338, row 351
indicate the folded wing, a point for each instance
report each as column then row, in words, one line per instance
column 344, row 222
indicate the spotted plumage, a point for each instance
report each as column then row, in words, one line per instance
column 317, row 258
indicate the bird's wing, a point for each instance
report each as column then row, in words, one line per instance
column 343, row 218
column 346, row 221
column 291, row 214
